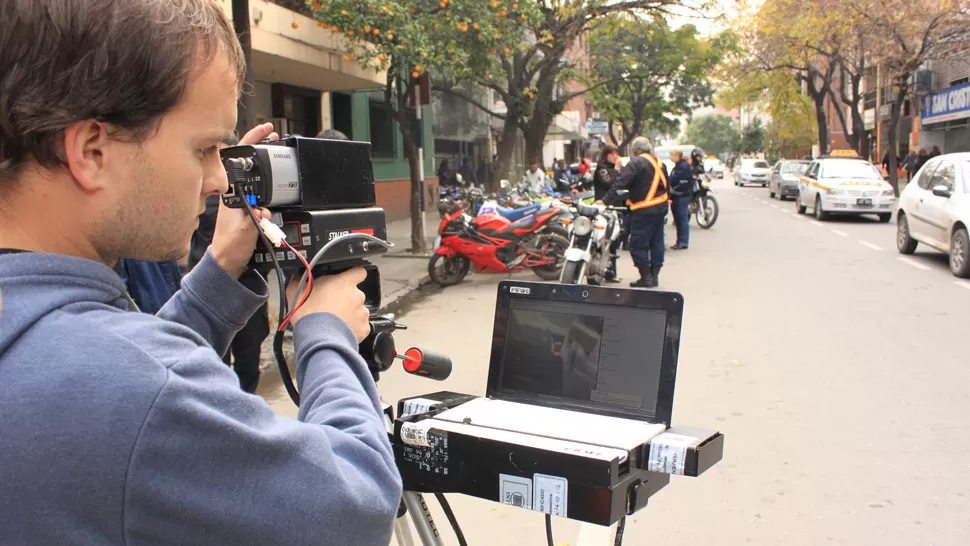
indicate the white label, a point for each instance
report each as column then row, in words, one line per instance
column 304, row 228
column 668, row 453
column 415, row 434
column 519, row 290
column 415, row 406
column 515, row 491
column 550, row 494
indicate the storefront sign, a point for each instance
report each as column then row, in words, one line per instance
column 597, row 127
column 946, row 105
column 869, row 119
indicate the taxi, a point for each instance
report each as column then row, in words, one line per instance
column 844, row 183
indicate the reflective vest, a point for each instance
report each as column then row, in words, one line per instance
column 652, row 199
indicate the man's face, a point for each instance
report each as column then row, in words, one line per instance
column 534, row 167
column 163, row 191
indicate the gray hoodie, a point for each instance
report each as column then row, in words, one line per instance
column 119, row 427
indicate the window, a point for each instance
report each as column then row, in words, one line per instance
column 381, row 130
column 761, row 165
column 343, row 113
column 850, row 169
column 794, row 168
column 944, row 176
column 966, row 176
column 813, row 171
column 926, row 175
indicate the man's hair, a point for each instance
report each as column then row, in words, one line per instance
column 332, row 134
column 641, row 145
column 123, row 62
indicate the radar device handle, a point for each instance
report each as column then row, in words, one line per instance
column 426, row 364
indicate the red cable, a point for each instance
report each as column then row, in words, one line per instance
column 306, row 291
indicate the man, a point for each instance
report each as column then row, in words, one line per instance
column 562, row 176
column 126, row 428
column 681, row 193
column 645, row 177
column 535, row 178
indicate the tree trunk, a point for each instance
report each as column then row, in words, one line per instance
column 535, row 136
column 823, row 127
column 418, row 242
column 506, row 146
column 240, row 23
column 896, row 112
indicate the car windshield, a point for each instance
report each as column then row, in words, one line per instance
column 760, row 165
column 850, row 169
column 794, row 168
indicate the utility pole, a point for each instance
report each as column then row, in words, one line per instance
column 240, row 23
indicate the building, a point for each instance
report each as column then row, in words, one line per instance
column 304, row 85
column 945, row 110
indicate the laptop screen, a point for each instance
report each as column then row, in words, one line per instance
column 604, row 351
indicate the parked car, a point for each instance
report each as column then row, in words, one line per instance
column 714, row 167
column 784, row 178
column 752, row 171
column 934, row 209
column 844, row 185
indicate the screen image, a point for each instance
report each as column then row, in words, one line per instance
column 589, row 353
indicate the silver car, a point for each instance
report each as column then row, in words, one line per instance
column 784, row 178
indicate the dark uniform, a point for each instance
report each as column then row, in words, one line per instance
column 646, row 179
column 603, row 179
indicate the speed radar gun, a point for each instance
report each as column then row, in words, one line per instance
column 576, row 420
column 324, row 221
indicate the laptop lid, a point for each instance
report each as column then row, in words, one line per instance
column 608, row 351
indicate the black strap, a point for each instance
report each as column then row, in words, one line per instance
column 12, row 251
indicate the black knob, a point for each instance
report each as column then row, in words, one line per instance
column 427, row 364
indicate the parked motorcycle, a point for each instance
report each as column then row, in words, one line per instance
column 493, row 244
column 704, row 204
column 591, row 233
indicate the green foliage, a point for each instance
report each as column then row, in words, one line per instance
column 643, row 72
column 752, row 138
column 716, row 134
column 454, row 38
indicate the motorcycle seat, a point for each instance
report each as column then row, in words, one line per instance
column 517, row 214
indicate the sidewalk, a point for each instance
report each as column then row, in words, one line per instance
column 400, row 275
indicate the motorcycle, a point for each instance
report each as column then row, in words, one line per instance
column 704, row 204
column 591, row 233
column 493, row 244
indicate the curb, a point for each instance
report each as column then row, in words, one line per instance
column 407, row 297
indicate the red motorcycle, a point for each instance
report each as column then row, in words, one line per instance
column 493, row 244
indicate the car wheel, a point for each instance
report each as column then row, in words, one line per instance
column 771, row 193
column 960, row 253
column 820, row 214
column 904, row 241
column 799, row 208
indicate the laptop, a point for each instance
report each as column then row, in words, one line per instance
column 588, row 364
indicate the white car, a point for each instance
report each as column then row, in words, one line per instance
column 714, row 167
column 934, row 209
column 752, row 171
column 837, row 185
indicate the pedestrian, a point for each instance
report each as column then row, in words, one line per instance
column 122, row 427
column 446, row 176
column 681, row 193
column 921, row 158
column 645, row 177
column 485, row 170
column 535, row 178
column 935, row 151
column 562, row 176
column 467, row 172
column 909, row 163
column 246, row 348
column 603, row 179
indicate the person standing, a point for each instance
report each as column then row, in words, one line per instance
column 446, row 176
column 681, row 193
column 535, row 178
column 645, row 177
column 603, row 179
column 467, row 172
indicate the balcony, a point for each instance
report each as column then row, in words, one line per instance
column 298, row 6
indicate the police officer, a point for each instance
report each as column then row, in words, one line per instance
column 607, row 173
column 645, row 177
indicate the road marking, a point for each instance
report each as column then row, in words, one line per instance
column 963, row 284
column 774, row 206
column 913, row 263
column 842, row 233
column 870, row 245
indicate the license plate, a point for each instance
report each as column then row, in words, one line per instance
column 864, row 202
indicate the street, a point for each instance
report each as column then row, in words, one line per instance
column 829, row 362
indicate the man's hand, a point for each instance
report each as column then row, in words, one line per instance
column 336, row 294
column 234, row 237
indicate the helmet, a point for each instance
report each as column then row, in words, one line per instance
column 697, row 154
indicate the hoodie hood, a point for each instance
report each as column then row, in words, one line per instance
column 33, row 284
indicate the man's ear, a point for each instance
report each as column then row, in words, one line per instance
column 85, row 146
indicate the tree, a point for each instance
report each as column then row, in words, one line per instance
column 650, row 72
column 907, row 35
column 534, row 74
column 455, row 39
column 752, row 138
column 714, row 133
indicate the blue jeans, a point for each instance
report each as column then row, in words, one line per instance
column 680, row 209
column 647, row 240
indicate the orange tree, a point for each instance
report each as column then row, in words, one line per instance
column 410, row 39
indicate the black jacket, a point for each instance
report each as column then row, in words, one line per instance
column 681, row 180
column 603, row 179
column 637, row 177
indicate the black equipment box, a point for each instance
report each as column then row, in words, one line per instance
column 576, row 418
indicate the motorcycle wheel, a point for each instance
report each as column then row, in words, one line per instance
column 570, row 273
column 708, row 211
column 555, row 246
column 451, row 271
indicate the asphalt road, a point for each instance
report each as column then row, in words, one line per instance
column 837, row 370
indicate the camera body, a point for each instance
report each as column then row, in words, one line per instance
column 318, row 191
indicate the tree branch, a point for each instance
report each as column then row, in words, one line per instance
column 471, row 101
